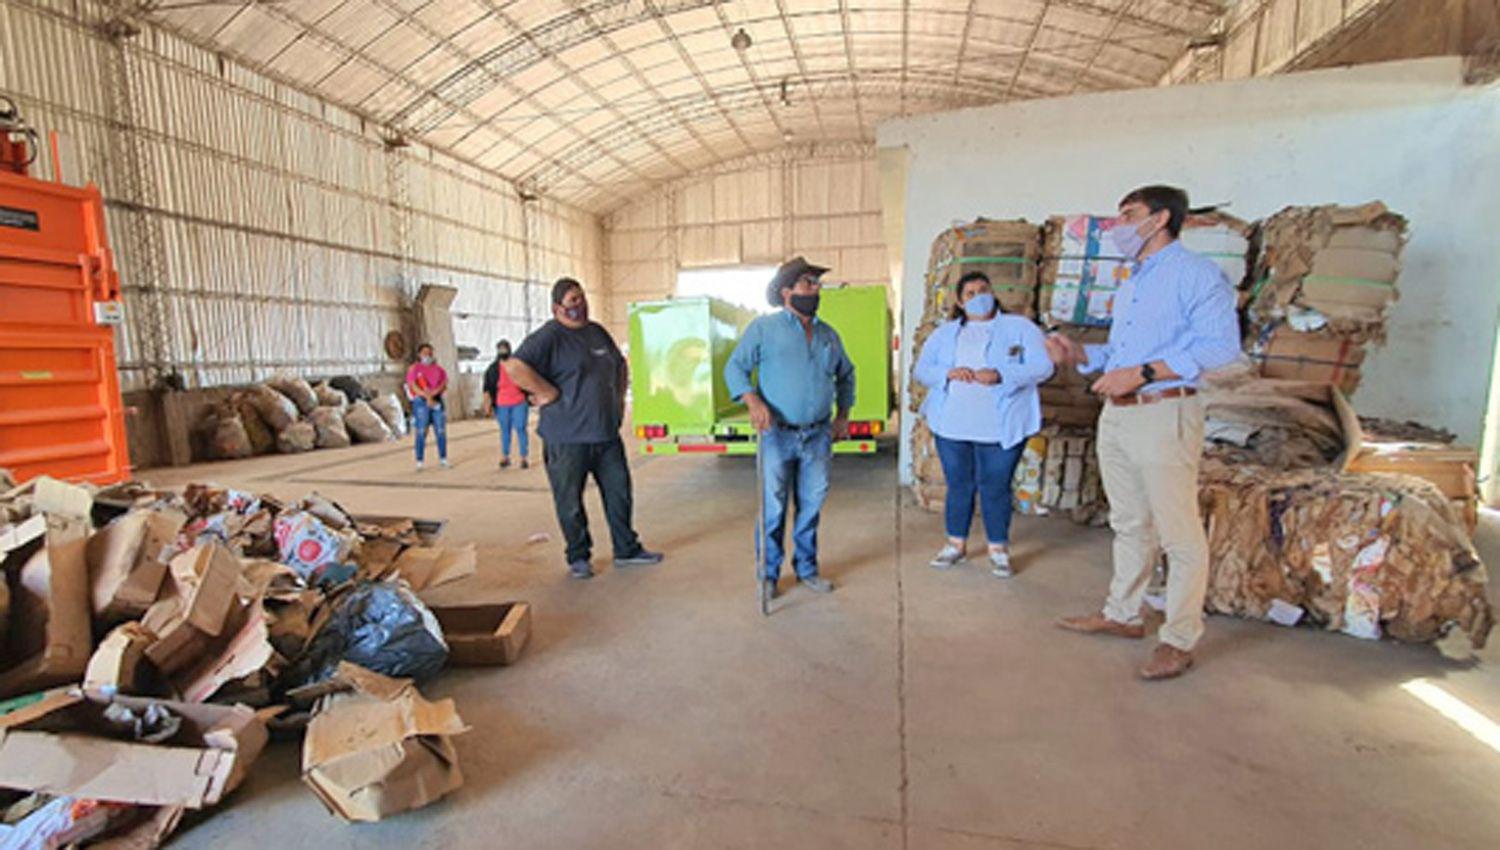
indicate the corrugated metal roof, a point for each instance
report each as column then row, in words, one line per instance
column 592, row 101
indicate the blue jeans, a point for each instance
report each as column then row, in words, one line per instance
column 983, row 467
column 795, row 465
column 512, row 417
column 425, row 414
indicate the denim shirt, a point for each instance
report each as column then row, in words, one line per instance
column 1176, row 307
column 1017, row 350
column 799, row 380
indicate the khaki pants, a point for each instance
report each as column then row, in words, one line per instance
column 1148, row 458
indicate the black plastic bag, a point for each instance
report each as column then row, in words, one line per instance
column 381, row 626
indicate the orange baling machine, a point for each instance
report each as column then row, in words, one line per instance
column 60, row 409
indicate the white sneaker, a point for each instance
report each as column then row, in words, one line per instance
column 1000, row 563
column 419, row 466
column 948, row 557
column 444, row 463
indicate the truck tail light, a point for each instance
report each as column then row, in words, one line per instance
column 864, row 429
column 651, row 432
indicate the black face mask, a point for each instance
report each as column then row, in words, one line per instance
column 807, row 305
column 503, row 354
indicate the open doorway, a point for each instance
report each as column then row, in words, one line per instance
column 742, row 286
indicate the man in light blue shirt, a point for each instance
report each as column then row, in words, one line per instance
column 1170, row 322
column 791, row 372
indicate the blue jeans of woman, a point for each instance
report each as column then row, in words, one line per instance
column 795, row 463
column 424, row 414
column 512, row 418
column 985, row 469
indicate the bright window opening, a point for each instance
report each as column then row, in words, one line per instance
column 743, row 286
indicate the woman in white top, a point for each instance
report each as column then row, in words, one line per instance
column 981, row 369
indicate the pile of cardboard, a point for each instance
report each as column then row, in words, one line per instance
column 1324, row 278
column 1364, row 554
column 1297, row 534
column 1431, row 457
column 155, row 633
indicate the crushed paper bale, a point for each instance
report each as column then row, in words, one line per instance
column 1367, row 554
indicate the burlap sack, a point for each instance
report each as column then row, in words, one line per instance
column 329, row 422
column 297, row 437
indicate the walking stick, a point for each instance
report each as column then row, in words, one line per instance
column 760, row 529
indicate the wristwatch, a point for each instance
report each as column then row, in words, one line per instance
column 1148, row 373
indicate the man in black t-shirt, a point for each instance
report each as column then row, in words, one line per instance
column 577, row 377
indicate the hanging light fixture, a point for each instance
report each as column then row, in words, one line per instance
column 740, row 40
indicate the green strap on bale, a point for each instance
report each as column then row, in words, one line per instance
column 1355, row 281
column 1324, row 278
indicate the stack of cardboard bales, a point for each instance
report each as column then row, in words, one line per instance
column 172, row 628
column 1008, row 252
column 1324, row 278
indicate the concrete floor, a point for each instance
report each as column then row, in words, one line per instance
column 912, row 708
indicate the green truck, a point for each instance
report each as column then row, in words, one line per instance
column 678, row 348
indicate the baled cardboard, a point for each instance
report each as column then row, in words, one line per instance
column 483, row 635
column 1322, row 357
column 50, row 635
column 59, row 747
column 380, row 748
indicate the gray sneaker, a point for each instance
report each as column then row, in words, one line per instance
column 817, row 584
column 948, row 557
column 1000, row 564
column 580, row 568
column 767, row 593
column 643, row 558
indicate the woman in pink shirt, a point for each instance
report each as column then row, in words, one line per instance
column 425, row 383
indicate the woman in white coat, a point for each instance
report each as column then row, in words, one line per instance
column 981, row 369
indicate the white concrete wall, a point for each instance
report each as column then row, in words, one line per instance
column 1409, row 133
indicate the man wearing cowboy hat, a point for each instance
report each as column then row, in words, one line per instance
column 799, row 401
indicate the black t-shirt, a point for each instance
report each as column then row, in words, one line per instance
column 585, row 365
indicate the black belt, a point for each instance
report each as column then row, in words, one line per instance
column 787, row 426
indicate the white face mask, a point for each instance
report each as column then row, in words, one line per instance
column 427, row 359
column 1128, row 240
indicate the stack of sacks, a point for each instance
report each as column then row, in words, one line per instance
column 287, row 414
column 1323, row 281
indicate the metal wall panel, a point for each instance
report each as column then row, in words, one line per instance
column 757, row 212
column 259, row 229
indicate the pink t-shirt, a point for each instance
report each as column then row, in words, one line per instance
column 427, row 376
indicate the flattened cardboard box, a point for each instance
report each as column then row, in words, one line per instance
column 196, row 609
column 57, row 747
column 50, row 635
column 380, row 748
column 128, row 561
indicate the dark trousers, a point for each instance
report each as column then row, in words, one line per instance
column 568, row 467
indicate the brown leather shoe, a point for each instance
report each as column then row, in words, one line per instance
column 1098, row 624
column 1167, row 662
